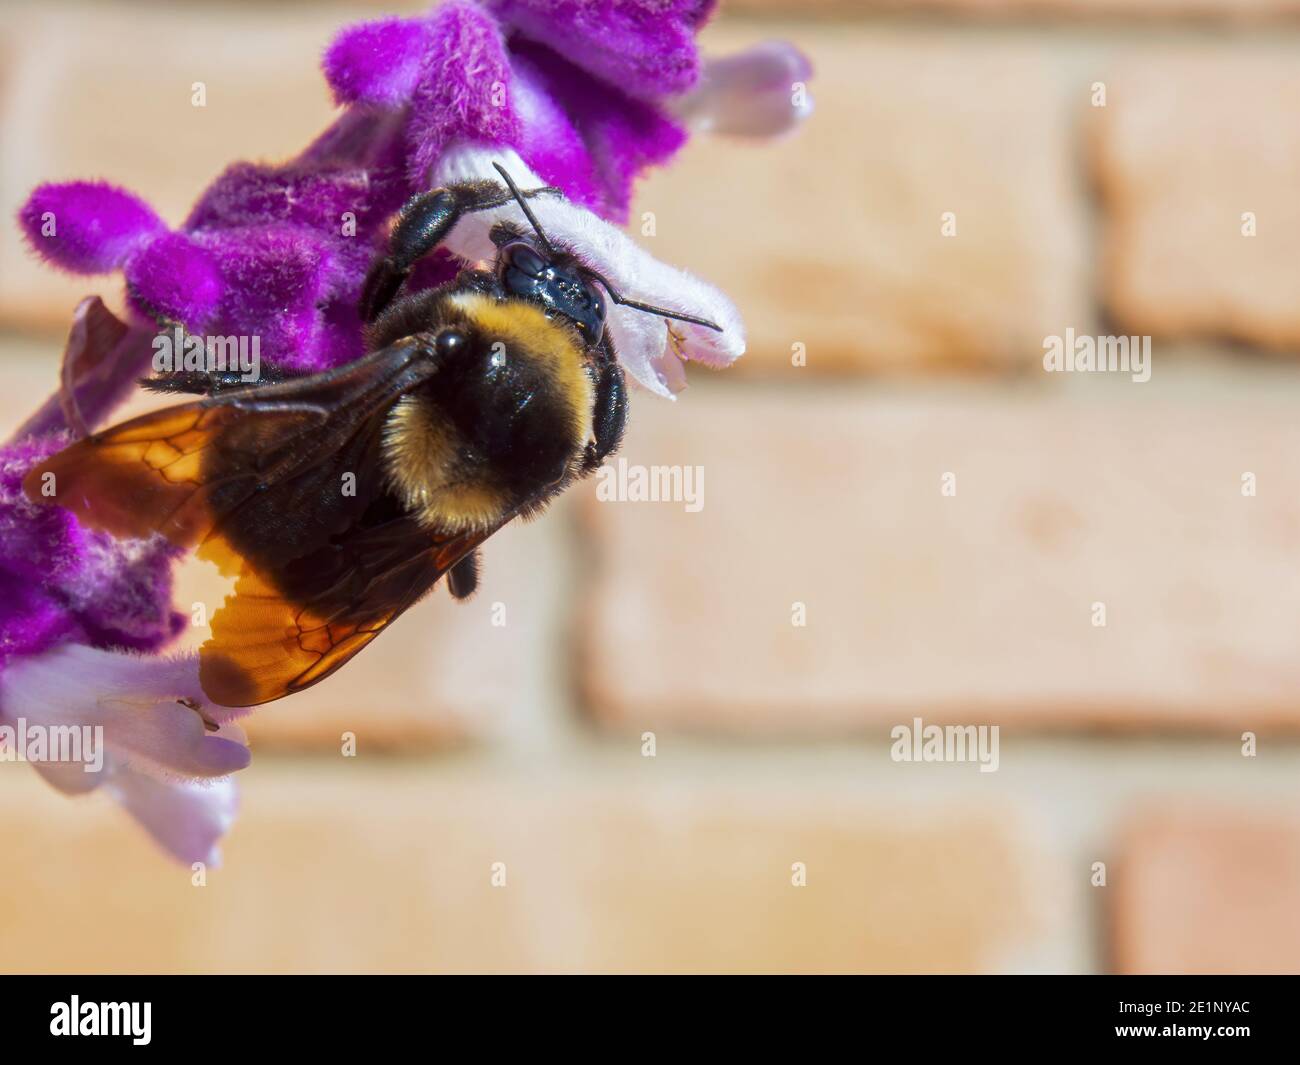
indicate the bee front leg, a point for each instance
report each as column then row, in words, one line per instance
column 609, row 414
column 203, row 382
column 462, row 578
column 422, row 224
column 207, row 382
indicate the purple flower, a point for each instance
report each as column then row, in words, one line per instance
column 581, row 94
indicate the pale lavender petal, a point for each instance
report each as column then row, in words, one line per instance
column 761, row 92
column 134, row 698
column 71, row 778
column 186, row 818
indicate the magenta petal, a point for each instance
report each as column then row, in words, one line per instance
column 86, row 227
column 376, row 62
column 462, row 92
column 646, row 47
column 182, row 280
column 60, row 582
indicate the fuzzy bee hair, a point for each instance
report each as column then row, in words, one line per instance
column 450, row 481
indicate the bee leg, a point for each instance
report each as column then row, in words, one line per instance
column 609, row 416
column 208, row 724
column 203, row 382
column 462, row 578
column 196, row 382
column 422, row 224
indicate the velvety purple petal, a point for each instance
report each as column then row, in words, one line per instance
column 593, row 139
column 173, row 277
column 35, row 543
column 249, row 194
column 463, row 90
column 376, row 62
column 549, row 139
column 275, row 280
column 360, row 140
column 87, row 227
column 646, row 47
column 32, row 538
column 30, row 620
column 120, row 592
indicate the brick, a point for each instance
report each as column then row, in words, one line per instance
column 447, row 671
column 1204, row 889
column 973, row 607
column 832, row 238
column 621, row 866
column 1190, row 139
column 92, row 94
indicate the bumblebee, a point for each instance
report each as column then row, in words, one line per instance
column 338, row 500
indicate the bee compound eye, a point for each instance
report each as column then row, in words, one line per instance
column 524, row 259
column 450, row 342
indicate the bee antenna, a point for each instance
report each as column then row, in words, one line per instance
column 636, row 305
column 663, row 312
column 523, row 206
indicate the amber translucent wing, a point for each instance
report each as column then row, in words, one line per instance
column 265, row 646
column 181, row 470
column 252, row 480
column 142, row 477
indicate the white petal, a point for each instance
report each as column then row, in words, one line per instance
column 651, row 350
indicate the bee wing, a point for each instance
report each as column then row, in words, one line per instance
column 267, row 643
column 184, row 470
column 253, row 480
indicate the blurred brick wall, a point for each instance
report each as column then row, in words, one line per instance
column 523, row 743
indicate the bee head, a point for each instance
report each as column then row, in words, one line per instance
column 536, row 269
column 556, row 282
